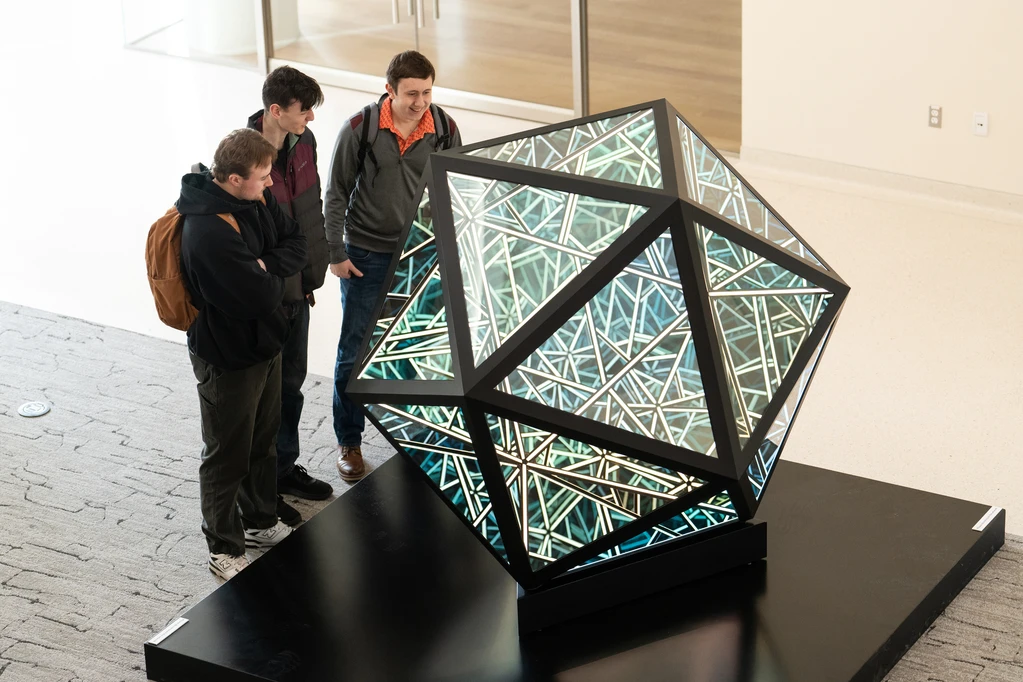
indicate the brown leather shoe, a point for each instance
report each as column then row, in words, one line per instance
column 349, row 463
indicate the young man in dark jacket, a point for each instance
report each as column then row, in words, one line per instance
column 366, row 211
column 288, row 100
column 237, row 281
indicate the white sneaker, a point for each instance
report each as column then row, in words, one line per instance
column 226, row 566
column 268, row 537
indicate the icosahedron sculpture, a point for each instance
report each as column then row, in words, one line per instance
column 595, row 339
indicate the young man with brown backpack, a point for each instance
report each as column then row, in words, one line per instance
column 236, row 280
column 289, row 97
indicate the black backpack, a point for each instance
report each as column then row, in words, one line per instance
column 371, row 126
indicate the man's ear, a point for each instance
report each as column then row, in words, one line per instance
column 275, row 110
column 390, row 91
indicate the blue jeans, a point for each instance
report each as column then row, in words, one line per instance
column 294, row 361
column 358, row 305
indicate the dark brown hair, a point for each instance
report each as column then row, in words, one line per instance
column 286, row 85
column 409, row 64
column 241, row 151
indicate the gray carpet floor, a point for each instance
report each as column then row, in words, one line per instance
column 100, row 544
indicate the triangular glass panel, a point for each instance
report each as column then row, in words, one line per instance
column 627, row 358
column 770, row 450
column 622, row 149
column 763, row 313
column 436, row 439
column 567, row 493
column 410, row 338
column 711, row 513
column 519, row 245
column 710, row 182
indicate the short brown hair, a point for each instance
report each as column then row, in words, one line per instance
column 285, row 85
column 239, row 152
column 409, row 64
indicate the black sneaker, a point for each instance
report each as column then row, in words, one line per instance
column 286, row 513
column 300, row 484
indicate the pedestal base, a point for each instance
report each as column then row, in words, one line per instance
column 656, row 570
column 386, row 583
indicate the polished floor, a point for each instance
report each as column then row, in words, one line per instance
column 686, row 50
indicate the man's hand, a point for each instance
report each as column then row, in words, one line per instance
column 344, row 270
column 311, row 299
column 261, row 264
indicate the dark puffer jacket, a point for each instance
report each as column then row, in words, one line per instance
column 299, row 194
column 241, row 320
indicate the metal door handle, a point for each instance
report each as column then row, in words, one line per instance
column 420, row 19
column 395, row 13
column 436, row 10
column 411, row 8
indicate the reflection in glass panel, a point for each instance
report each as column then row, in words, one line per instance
column 437, row 440
column 763, row 313
column 711, row 183
column 223, row 32
column 760, row 469
column 714, row 512
column 410, row 338
column 519, row 245
column 567, row 493
column 627, row 358
column 622, row 149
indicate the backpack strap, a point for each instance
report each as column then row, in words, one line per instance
column 370, row 127
column 230, row 220
column 444, row 131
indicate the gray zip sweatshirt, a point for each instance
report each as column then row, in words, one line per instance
column 383, row 196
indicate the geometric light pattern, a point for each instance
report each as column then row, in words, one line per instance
column 413, row 318
column 567, row 493
column 623, row 149
column 763, row 314
column 627, row 358
column 595, row 341
column 711, row 182
column 520, row 245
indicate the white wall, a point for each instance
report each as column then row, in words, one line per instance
column 851, row 83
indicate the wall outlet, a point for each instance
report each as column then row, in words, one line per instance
column 980, row 123
column 934, row 117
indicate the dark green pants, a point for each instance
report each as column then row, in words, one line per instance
column 241, row 414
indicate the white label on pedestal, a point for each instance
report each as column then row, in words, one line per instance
column 987, row 518
column 167, row 631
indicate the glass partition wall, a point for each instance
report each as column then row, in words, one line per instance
column 541, row 60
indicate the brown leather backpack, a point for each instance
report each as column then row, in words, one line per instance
column 163, row 267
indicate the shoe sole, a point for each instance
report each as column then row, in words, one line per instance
column 220, row 574
column 258, row 544
column 302, row 495
column 352, row 479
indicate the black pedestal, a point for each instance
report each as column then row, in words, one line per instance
column 387, row 584
column 646, row 573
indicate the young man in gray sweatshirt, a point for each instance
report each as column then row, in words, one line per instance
column 369, row 200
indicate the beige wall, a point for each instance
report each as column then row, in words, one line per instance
column 851, row 83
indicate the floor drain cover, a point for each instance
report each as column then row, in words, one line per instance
column 33, row 409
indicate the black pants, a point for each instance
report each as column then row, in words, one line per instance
column 294, row 359
column 241, row 413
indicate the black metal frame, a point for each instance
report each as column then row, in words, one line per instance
column 476, row 389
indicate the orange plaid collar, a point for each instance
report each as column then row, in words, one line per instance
column 425, row 126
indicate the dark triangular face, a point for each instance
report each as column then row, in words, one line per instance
column 519, row 245
column 622, row 149
column 627, row 358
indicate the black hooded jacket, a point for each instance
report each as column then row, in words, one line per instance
column 241, row 320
